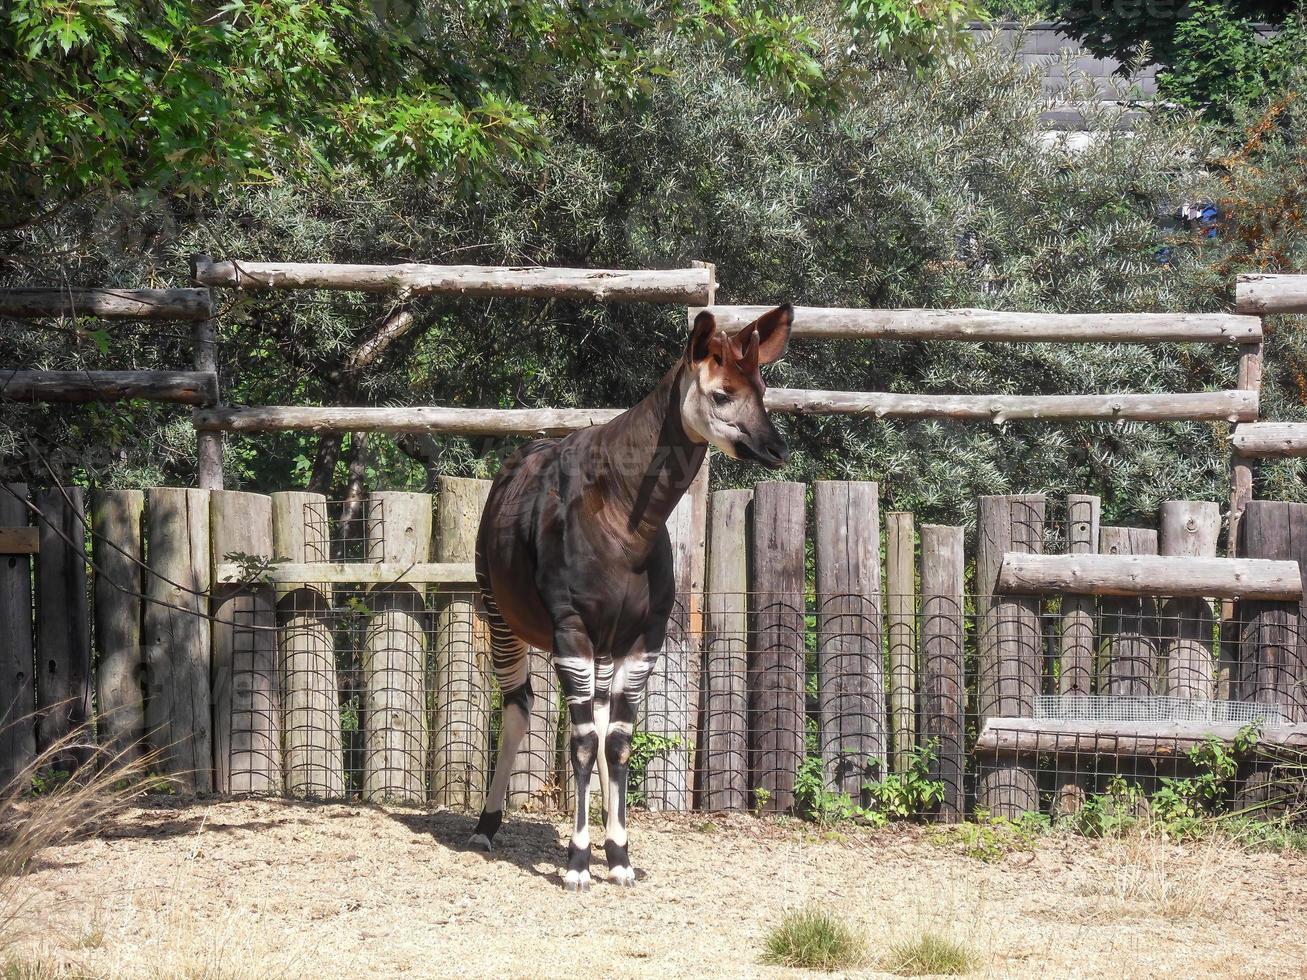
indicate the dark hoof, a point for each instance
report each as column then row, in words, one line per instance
column 576, row 881
column 480, row 842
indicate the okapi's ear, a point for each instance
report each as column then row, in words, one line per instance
column 701, row 334
column 773, row 333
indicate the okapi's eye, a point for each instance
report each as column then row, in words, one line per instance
column 721, row 398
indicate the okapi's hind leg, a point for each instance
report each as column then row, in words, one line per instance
column 513, row 671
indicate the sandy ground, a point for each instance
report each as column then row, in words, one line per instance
column 270, row 888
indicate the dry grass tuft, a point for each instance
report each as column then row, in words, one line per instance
column 930, row 953
column 1151, row 876
column 814, row 939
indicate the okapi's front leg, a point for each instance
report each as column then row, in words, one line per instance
column 574, row 663
column 629, row 680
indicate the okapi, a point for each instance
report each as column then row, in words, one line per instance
column 573, row 558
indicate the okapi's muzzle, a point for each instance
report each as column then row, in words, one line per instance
column 770, row 451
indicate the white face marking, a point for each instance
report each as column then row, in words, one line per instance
column 703, row 419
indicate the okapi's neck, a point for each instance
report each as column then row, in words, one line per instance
column 651, row 460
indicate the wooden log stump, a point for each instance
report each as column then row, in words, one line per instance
column 17, row 683
column 1076, row 666
column 852, row 730
column 460, row 733
column 1272, row 665
column 726, row 661
column 943, row 678
column 178, row 655
column 1191, row 528
column 394, row 662
column 63, row 629
column 120, row 669
column 901, row 610
column 246, row 701
column 1009, row 647
column 311, row 723
column 669, row 694
column 777, row 672
column 1128, row 637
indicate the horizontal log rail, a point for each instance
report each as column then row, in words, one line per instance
column 1261, row 293
column 182, row 387
column 1270, row 439
column 120, row 304
column 1149, row 575
column 681, row 286
column 364, row 573
column 993, row 325
column 1210, row 406
column 1118, row 738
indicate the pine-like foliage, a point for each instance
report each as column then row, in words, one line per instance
column 938, row 188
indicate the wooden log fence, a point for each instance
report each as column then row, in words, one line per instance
column 1122, row 573
column 901, row 617
column 109, row 304
column 1262, row 293
column 1270, row 439
column 182, row 387
column 1128, row 637
column 1189, row 528
column 1163, row 740
column 18, row 690
column 943, row 659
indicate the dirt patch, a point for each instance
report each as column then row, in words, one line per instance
column 273, row 888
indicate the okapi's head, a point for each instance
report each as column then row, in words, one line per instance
column 722, row 387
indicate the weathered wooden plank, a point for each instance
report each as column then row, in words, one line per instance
column 833, row 323
column 669, row 694
column 1226, row 406
column 1188, row 528
column 1128, row 626
column 852, row 729
column 63, row 627
column 109, row 303
column 1270, row 439
column 182, row 387
column 726, row 668
column 460, row 734
column 1008, row 644
column 20, row 540
column 17, row 663
column 116, row 547
column 356, row 573
column 943, row 656
column 901, row 613
column 208, row 445
column 777, row 669
column 311, row 727
column 246, row 701
column 394, row 711
column 1272, row 666
column 1076, row 673
column 1261, row 293
column 684, row 286
column 1121, row 574
column 1163, row 739
column 176, row 635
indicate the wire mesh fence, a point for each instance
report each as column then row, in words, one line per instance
column 795, row 703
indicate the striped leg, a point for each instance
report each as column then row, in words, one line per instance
column 513, row 672
column 629, row 680
column 574, row 664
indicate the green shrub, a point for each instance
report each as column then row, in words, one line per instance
column 929, row 954
column 814, row 939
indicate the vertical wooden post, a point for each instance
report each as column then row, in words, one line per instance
column 943, row 681
column 1188, row 527
column 726, row 666
column 63, row 626
column 1241, row 467
column 777, row 672
column 208, row 445
column 1009, row 645
column 178, row 705
column 17, row 684
column 246, row 702
column 116, row 548
column 311, row 739
column 393, row 714
column 901, row 607
column 850, row 673
column 1272, row 651
column 460, row 735
column 1128, row 645
column 667, row 782
column 1076, row 674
